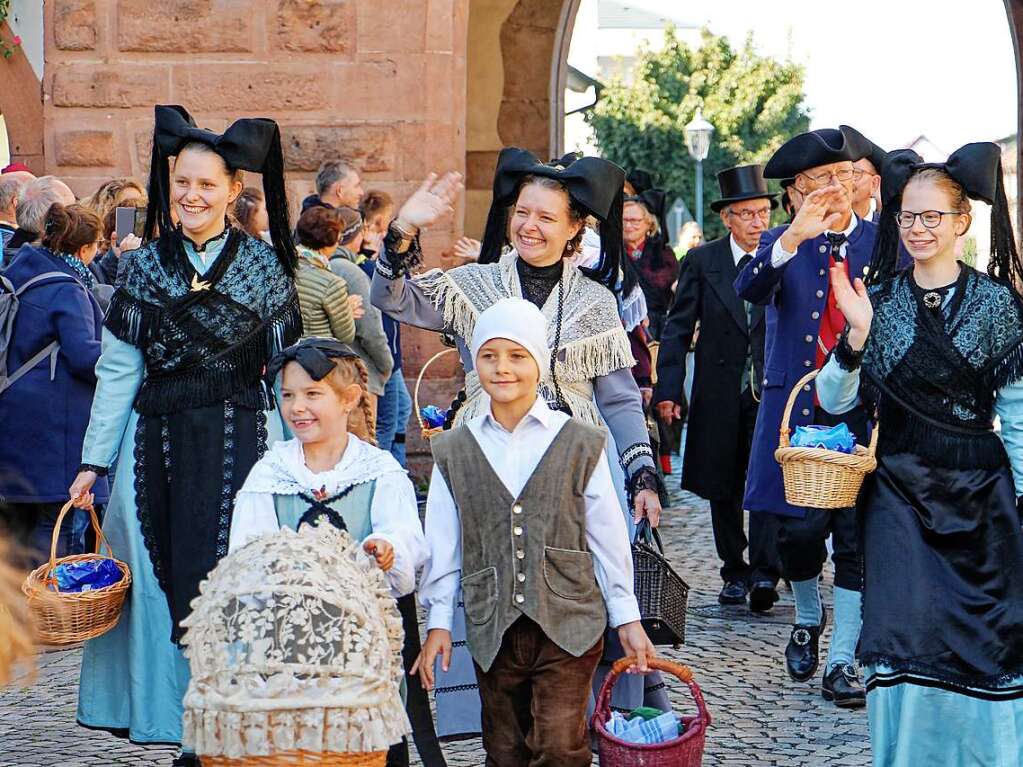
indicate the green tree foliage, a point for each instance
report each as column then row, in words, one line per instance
column 755, row 104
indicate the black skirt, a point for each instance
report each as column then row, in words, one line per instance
column 943, row 572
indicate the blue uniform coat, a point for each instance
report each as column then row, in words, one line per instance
column 794, row 296
column 44, row 421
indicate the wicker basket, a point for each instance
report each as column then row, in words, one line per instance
column 68, row 617
column 304, row 758
column 662, row 594
column 819, row 478
column 685, row 751
column 426, row 431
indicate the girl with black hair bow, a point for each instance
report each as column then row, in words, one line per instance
column 181, row 404
column 539, row 209
column 936, row 350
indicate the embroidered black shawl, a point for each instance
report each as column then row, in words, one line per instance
column 933, row 373
column 205, row 338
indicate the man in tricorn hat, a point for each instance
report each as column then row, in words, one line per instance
column 789, row 277
column 729, row 366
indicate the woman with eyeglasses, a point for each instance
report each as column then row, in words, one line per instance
column 937, row 351
column 653, row 264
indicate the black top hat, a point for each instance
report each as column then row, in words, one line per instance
column 876, row 154
column 817, row 147
column 743, row 182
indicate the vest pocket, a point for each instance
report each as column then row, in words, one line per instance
column 479, row 593
column 569, row 573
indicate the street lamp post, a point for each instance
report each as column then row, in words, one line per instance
column 698, row 142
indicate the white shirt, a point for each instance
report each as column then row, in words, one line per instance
column 514, row 457
column 780, row 256
column 737, row 251
column 394, row 514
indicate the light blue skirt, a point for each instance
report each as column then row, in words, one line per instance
column 916, row 722
column 133, row 677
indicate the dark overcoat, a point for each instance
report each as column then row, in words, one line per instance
column 794, row 296
column 706, row 296
column 44, row 420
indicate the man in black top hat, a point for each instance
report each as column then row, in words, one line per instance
column 725, row 396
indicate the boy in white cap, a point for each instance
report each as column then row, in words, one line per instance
column 523, row 517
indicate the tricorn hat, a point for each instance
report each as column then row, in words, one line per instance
column 743, row 182
column 876, row 154
column 817, row 147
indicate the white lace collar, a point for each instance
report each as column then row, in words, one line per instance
column 283, row 470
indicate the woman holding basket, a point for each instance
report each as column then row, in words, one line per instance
column 182, row 405
column 539, row 209
column 937, row 351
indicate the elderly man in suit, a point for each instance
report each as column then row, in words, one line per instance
column 789, row 277
column 725, row 395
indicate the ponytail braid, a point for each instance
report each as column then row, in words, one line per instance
column 351, row 370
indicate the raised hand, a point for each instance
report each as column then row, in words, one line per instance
column 468, row 248
column 854, row 303
column 817, row 215
column 433, row 200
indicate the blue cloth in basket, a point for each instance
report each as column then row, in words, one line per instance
column 837, row 438
column 88, row 575
column 638, row 730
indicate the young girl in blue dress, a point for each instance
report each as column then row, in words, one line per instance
column 327, row 473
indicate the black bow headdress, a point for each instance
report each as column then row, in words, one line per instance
column 593, row 184
column 252, row 144
column 978, row 169
column 650, row 197
column 317, row 356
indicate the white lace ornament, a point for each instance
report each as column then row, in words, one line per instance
column 294, row 643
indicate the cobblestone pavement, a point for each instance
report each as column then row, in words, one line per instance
column 760, row 717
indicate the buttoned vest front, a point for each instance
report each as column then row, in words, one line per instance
column 526, row 555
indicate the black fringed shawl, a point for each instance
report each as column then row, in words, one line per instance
column 933, row 374
column 205, row 338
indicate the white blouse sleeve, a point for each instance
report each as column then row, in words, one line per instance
column 254, row 515
column 395, row 519
column 439, row 588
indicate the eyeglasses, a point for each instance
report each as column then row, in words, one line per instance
column 839, row 175
column 859, row 173
column 930, row 218
column 747, row 215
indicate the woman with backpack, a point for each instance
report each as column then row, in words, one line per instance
column 49, row 344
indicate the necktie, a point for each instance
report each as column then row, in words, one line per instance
column 836, row 240
column 746, row 381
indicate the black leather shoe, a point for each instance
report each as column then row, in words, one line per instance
column 186, row 760
column 801, row 659
column 842, row 685
column 762, row 596
column 733, row 593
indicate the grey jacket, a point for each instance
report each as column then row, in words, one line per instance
column 370, row 340
column 526, row 555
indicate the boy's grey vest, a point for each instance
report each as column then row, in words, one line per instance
column 526, row 555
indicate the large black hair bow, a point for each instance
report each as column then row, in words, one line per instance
column 977, row 167
column 592, row 183
column 245, row 145
column 317, row 356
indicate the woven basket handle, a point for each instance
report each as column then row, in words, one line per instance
column 603, row 708
column 419, row 381
column 100, row 539
column 783, row 435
